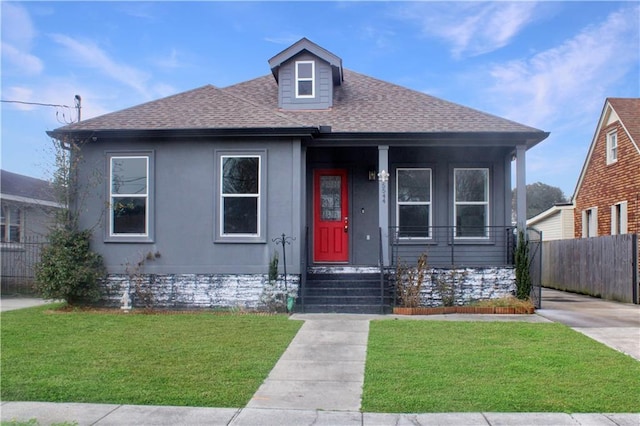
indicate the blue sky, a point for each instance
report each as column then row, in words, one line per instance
column 549, row 65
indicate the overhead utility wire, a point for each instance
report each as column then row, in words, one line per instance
column 78, row 107
column 35, row 103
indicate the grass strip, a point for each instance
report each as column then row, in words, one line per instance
column 193, row 359
column 428, row 366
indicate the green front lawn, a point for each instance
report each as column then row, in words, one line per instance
column 194, row 359
column 203, row 359
column 427, row 366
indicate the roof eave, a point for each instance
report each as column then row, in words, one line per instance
column 31, row 200
column 96, row 134
column 551, row 211
column 594, row 139
column 507, row 139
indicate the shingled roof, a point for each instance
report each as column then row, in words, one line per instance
column 362, row 104
column 628, row 110
column 18, row 187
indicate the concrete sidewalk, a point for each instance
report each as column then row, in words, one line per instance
column 110, row 414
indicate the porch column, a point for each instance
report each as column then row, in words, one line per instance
column 383, row 200
column 521, row 187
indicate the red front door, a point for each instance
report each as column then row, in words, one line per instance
column 330, row 216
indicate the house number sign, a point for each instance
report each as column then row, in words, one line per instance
column 383, row 176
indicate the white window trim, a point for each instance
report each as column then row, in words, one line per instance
column 147, row 236
column 415, row 203
column 7, row 229
column 619, row 212
column 223, row 196
column 472, row 203
column 218, row 233
column 311, row 79
column 590, row 222
column 612, row 147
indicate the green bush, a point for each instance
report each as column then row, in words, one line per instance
column 68, row 269
column 523, row 278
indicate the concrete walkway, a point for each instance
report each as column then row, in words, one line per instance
column 615, row 324
column 319, row 378
column 322, row 369
column 13, row 303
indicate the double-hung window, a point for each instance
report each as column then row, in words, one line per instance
column 471, row 202
column 305, row 72
column 11, row 224
column 413, row 196
column 590, row 222
column 241, row 199
column 129, row 192
column 619, row 218
column 612, row 147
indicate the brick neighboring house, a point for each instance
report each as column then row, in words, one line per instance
column 607, row 196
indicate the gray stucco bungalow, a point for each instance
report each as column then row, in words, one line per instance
column 358, row 172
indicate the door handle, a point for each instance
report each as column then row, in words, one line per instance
column 346, row 224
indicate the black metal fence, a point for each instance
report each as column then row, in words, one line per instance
column 18, row 265
column 534, row 237
column 448, row 246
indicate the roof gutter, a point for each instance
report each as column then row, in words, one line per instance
column 432, row 138
column 169, row 134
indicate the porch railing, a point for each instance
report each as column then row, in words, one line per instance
column 448, row 246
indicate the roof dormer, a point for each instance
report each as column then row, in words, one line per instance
column 306, row 75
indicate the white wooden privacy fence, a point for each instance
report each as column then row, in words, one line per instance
column 601, row 266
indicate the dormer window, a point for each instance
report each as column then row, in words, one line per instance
column 307, row 76
column 305, row 72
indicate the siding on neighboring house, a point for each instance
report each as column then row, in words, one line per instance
column 602, row 186
column 556, row 223
column 28, row 214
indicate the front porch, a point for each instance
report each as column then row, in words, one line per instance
column 484, row 269
column 404, row 200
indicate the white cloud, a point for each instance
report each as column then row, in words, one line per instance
column 89, row 55
column 382, row 38
column 18, row 34
column 17, row 27
column 170, row 61
column 472, row 29
column 22, row 62
column 142, row 10
column 19, row 93
column 573, row 78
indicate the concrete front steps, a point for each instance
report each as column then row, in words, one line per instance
column 344, row 290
